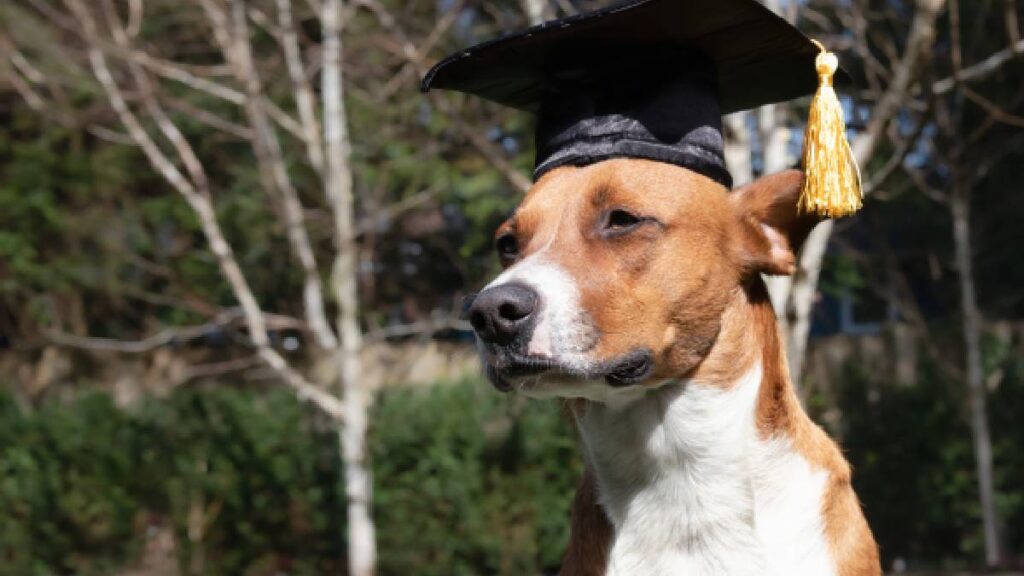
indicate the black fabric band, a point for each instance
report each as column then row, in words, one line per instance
column 689, row 155
column 661, row 104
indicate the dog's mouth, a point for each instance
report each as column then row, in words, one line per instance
column 627, row 370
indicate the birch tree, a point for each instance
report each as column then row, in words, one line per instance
column 898, row 104
column 974, row 136
column 133, row 84
column 269, row 76
column 768, row 137
column 538, row 11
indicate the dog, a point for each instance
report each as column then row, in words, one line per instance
column 632, row 289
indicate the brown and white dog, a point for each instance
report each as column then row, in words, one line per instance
column 633, row 288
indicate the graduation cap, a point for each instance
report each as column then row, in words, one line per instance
column 651, row 79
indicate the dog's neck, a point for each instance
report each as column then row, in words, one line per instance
column 690, row 473
column 674, row 476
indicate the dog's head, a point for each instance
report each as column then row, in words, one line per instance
column 617, row 274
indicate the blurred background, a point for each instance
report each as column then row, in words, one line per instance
column 235, row 239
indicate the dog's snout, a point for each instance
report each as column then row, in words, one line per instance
column 501, row 313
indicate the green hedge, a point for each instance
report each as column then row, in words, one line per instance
column 467, row 482
column 913, row 458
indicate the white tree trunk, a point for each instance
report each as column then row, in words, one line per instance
column 775, row 137
column 362, row 544
column 197, row 194
column 273, row 168
column 739, row 153
column 802, row 292
column 960, row 207
column 538, row 11
column 232, row 36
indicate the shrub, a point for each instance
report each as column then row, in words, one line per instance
column 471, row 482
column 467, row 482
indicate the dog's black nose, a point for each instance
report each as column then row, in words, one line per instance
column 501, row 313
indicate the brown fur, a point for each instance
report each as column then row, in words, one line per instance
column 668, row 284
column 687, row 287
column 590, row 534
column 779, row 414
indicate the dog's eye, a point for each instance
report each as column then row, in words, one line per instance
column 507, row 246
column 620, row 220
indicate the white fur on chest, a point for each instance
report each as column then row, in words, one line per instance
column 691, row 489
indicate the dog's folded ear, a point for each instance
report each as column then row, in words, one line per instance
column 772, row 229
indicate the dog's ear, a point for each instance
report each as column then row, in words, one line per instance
column 771, row 228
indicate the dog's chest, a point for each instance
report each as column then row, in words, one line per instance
column 691, row 490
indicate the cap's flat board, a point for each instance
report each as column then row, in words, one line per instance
column 759, row 56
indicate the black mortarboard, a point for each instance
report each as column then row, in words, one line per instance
column 642, row 79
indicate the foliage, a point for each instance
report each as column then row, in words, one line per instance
column 913, row 460
column 467, row 482
column 87, row 480
column 93, row 242
column 96, row 243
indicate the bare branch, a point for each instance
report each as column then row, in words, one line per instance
column 216, row 369
column 300, row 84
column 567, row 8
column 273, row 170
column 261, row 19
column 956, row 55
column 305, row 391
column 424, row 328
column 396, row 209
column 856, row 21
column 489, row 151
column 282, row 118
column 135, row 11
column 982, row 170
column 203, row 208
column 148, row 344
column 171, row 71
column 52, row 15
column 174, row 71
column 166, row 337
column 922, row 185
column 210, row 119
column 23, row 88
column 170, row 130
column 994, row 110
column 24, row 66
column 25, row 76
column 1012, row 27
column 919, row 41
column 415, row 58
column 801, row 297
column 981, row 70
column 897, row 158
column 112, row 136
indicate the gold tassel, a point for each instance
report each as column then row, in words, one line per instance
column 831, row 177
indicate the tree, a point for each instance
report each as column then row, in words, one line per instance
column 902, row 107
column 974, row 134
column 766, row 139
column 104, row 36
column 210, row 91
